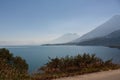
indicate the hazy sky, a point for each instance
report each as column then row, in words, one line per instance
column 38, row 21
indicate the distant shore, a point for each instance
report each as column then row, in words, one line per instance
column 115, row 47
column 111, row 46
column 105, row 75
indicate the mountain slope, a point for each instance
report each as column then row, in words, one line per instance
column 112, row 39
column 65, row 38
column 108, row 27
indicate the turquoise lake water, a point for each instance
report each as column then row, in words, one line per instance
column 37, row 56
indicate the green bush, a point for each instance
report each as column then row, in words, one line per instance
column 12, row 68
column 75, row 65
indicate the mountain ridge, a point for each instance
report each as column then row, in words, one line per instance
column 102, row 30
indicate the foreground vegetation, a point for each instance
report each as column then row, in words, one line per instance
column 16, row 68
column 74, row 65
column 12, row 68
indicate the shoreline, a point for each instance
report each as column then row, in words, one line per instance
column 103, row 75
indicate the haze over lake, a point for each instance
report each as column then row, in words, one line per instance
column 37, row 56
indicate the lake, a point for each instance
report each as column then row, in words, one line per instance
column 37, row 56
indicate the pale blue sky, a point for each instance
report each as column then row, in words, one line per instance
column 43, row 20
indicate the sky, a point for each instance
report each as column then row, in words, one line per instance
column 39, row 21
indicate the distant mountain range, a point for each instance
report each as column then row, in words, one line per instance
column 65, row 38
column 107, row 34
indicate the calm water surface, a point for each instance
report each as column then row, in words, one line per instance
column 37, row 56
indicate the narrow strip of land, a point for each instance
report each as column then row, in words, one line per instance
column 105, row 75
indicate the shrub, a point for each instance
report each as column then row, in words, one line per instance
column 12, row 68
column 74, row 65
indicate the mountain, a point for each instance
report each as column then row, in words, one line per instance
column 106, row 28
column 112, row 39
column 114, row 34
column 65, row 38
